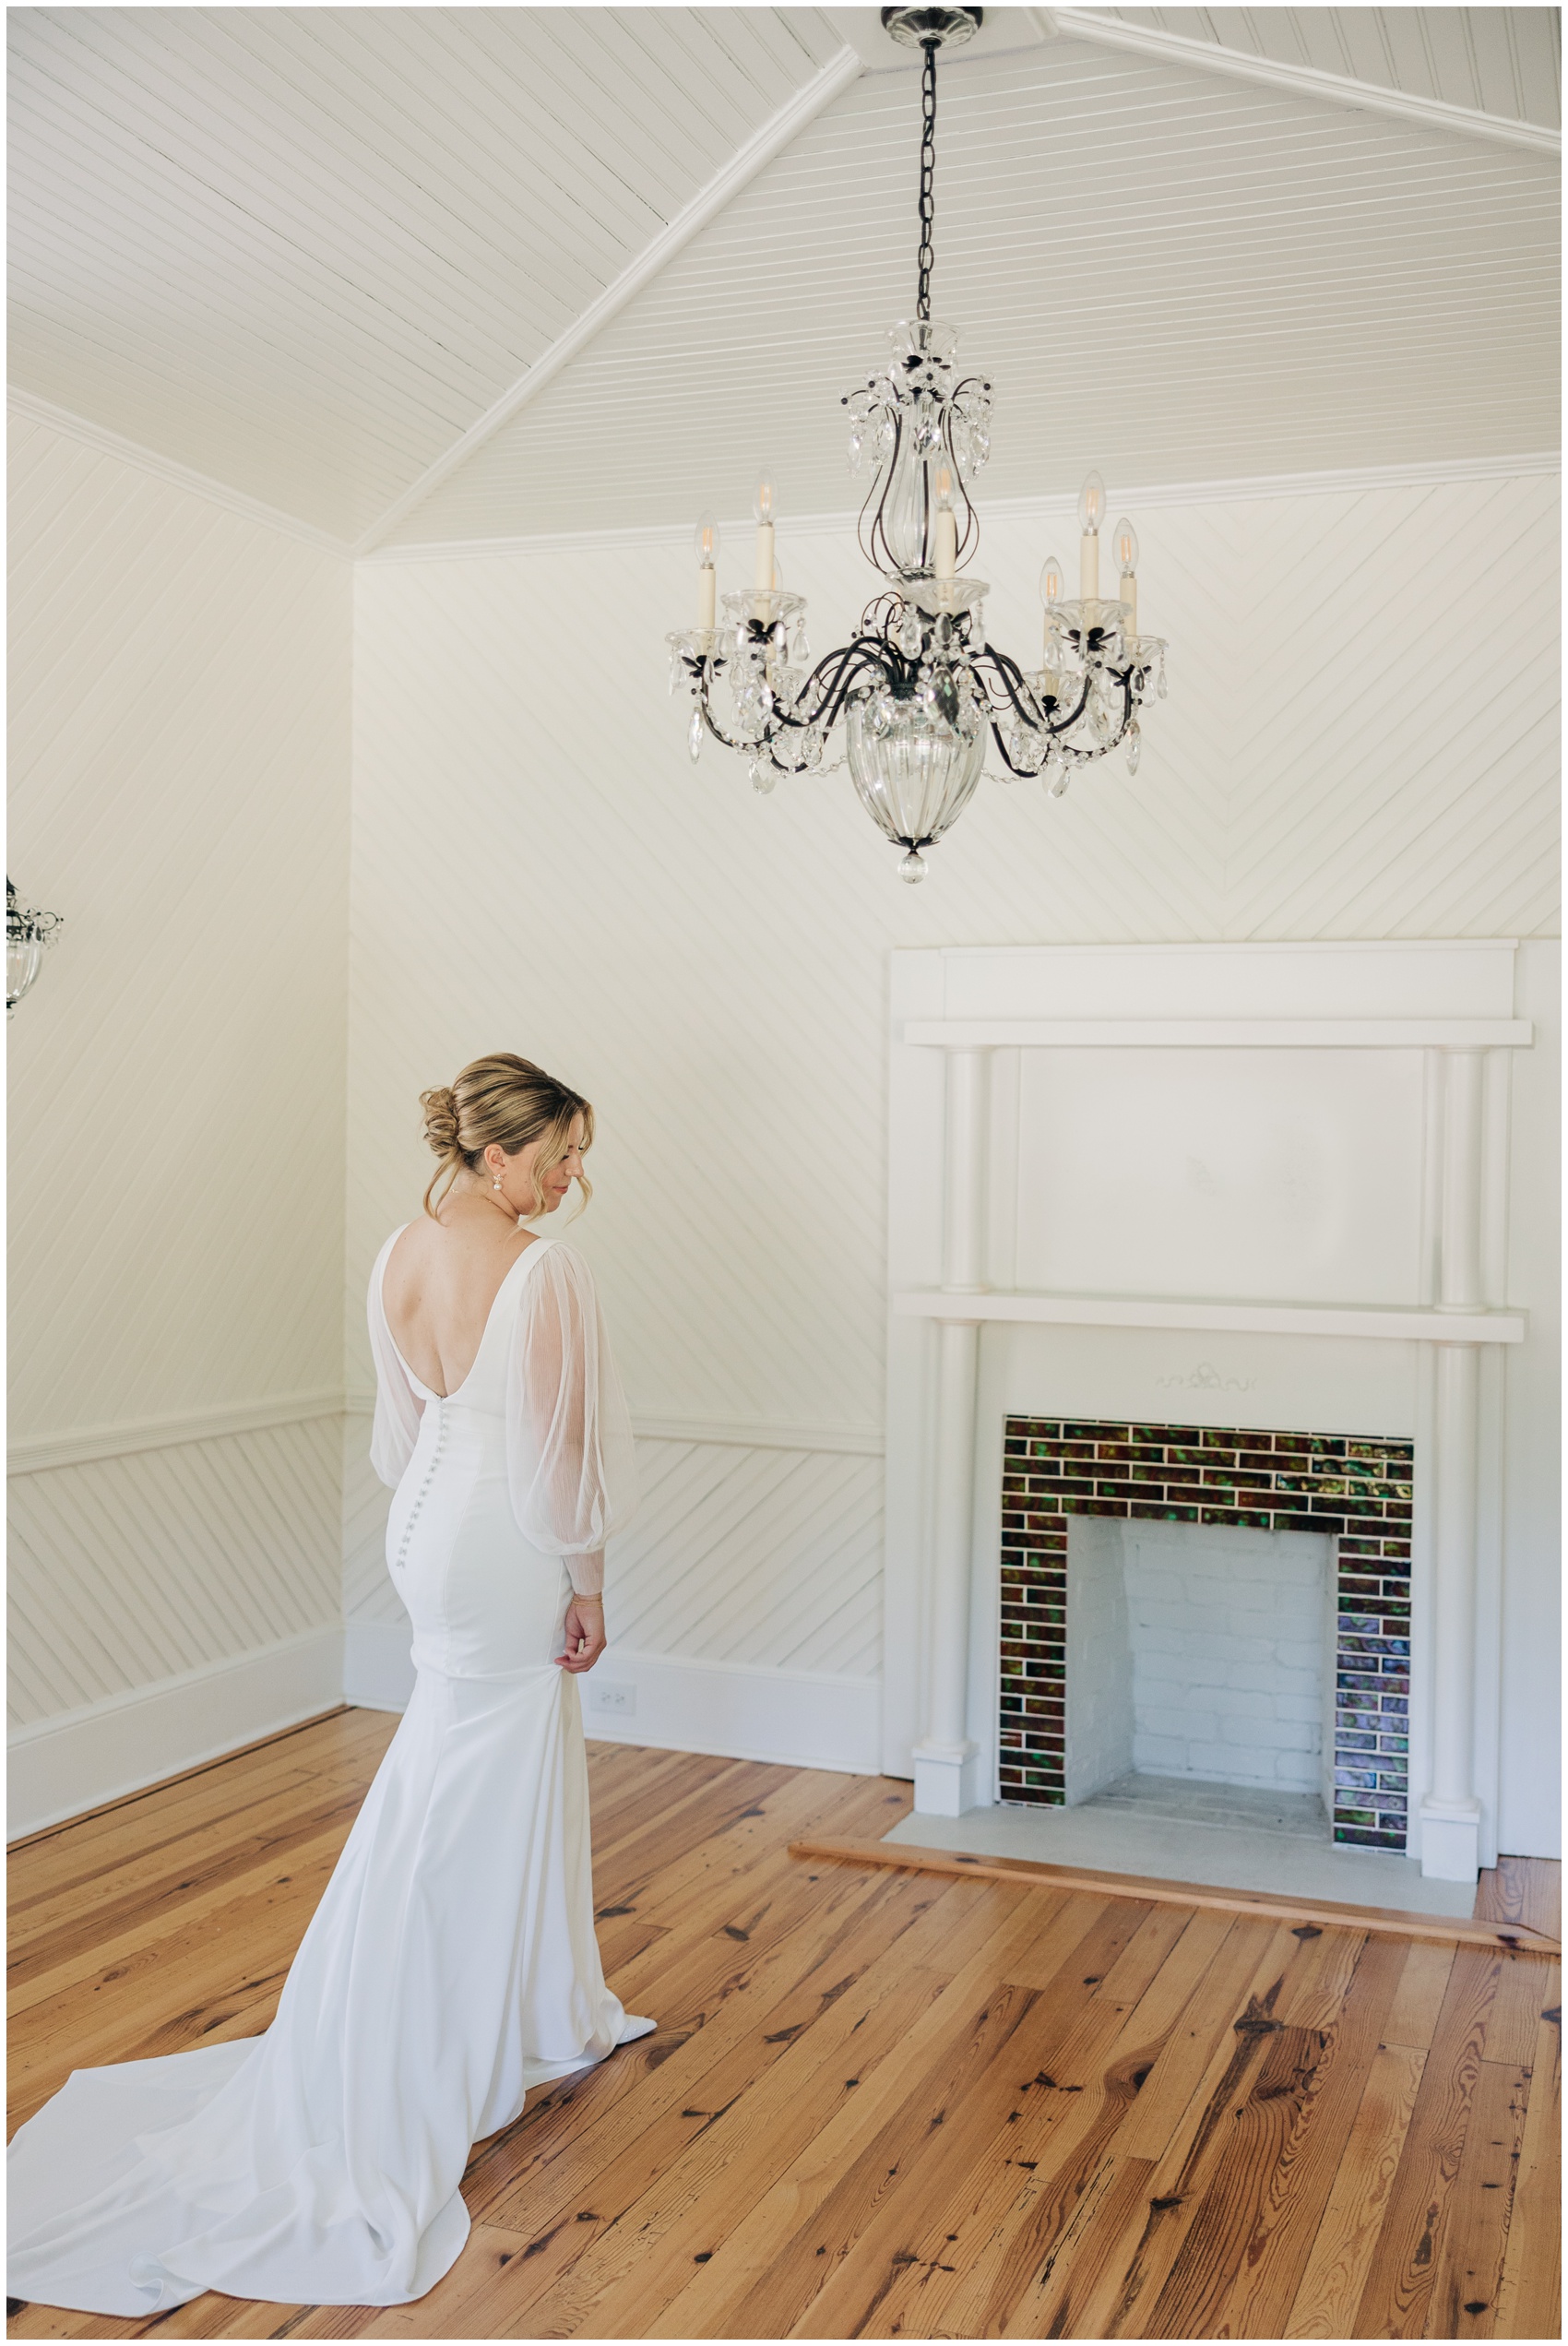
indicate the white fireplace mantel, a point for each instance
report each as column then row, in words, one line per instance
column 1392, row 1323
column 1310, row 1165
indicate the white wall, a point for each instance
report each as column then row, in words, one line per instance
column 537, row 866
column 179, row 770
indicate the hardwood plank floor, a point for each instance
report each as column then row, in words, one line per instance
column 879, row 2103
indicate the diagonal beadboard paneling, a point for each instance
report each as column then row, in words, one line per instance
column 178, row 747
column 765, row 1557
column 125, row 1571
column 179, row 786
column 538, row 864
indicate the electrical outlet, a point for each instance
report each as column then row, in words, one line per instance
column 605, row 1696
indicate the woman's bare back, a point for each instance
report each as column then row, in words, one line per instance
column 442, row 1279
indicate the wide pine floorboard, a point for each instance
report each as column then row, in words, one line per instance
column 877, row 2104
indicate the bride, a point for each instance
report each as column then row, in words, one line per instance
column 452, row 1962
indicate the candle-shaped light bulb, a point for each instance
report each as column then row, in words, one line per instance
column 1124, row 541
column 707, row 543
column 944, row 550
column 763, row 505
column 1091, row 514
column 1053, row 585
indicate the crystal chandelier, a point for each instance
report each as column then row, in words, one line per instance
column 27, row 933
column 920, row 692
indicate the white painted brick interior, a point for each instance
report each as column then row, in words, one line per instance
column 1195, row 1650
column 1226, row 1631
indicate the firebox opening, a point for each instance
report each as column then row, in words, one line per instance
column 1198, row 1682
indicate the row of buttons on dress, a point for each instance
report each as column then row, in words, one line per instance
column 424, row 1492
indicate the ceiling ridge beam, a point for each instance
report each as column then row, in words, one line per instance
column 66, row 421
column 737, row 172
column 1308, row 81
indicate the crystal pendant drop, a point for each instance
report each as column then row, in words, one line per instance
column 912, row 868
column 763, row 777
column 694, row 735
column 1160, row 688
column 1135, row 746
column 1058, row 786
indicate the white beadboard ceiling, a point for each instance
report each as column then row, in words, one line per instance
column 1505, row 63
column 302, row 249
column 316, row 255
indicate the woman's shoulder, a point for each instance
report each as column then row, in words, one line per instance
column 561, row 1264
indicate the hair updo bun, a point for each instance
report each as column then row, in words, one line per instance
column 440, row 1119
column 509, row 1102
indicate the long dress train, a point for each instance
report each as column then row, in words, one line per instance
column 452, row 1962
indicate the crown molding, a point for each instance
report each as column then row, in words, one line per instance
column 739, row 171
column 1305, row 81
column 32, row 410
column 1342, row 482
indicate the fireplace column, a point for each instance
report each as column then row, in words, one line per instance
column 945, row 1758
column 1451, row 1814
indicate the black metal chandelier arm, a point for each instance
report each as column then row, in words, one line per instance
column 835, row 676
column 1055, row 726
column 1020, row 694
column 743, row 749
column 1023, row 772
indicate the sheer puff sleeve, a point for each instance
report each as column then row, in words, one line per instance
column 397, row 1407
column 569, row 1454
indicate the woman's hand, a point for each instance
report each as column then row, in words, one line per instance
column 584, row 1633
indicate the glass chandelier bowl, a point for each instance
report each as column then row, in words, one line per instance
column 913, row 769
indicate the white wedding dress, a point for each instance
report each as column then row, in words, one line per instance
column 452, row 1962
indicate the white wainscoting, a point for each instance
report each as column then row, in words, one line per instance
column 744, row 1598
column 217, row 1555
column 127, row 1571
column 796, row 1718
column 78, row 1759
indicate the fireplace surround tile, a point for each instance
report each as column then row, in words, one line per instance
column 1357, row 1488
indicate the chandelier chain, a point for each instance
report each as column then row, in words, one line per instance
column 928, row 177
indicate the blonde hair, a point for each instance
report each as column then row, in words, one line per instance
column 508, row 1102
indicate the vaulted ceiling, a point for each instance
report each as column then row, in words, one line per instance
column 415, row 275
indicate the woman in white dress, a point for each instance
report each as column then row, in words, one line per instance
column 452, row 1962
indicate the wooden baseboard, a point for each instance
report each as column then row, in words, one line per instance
column 1325, row 1913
